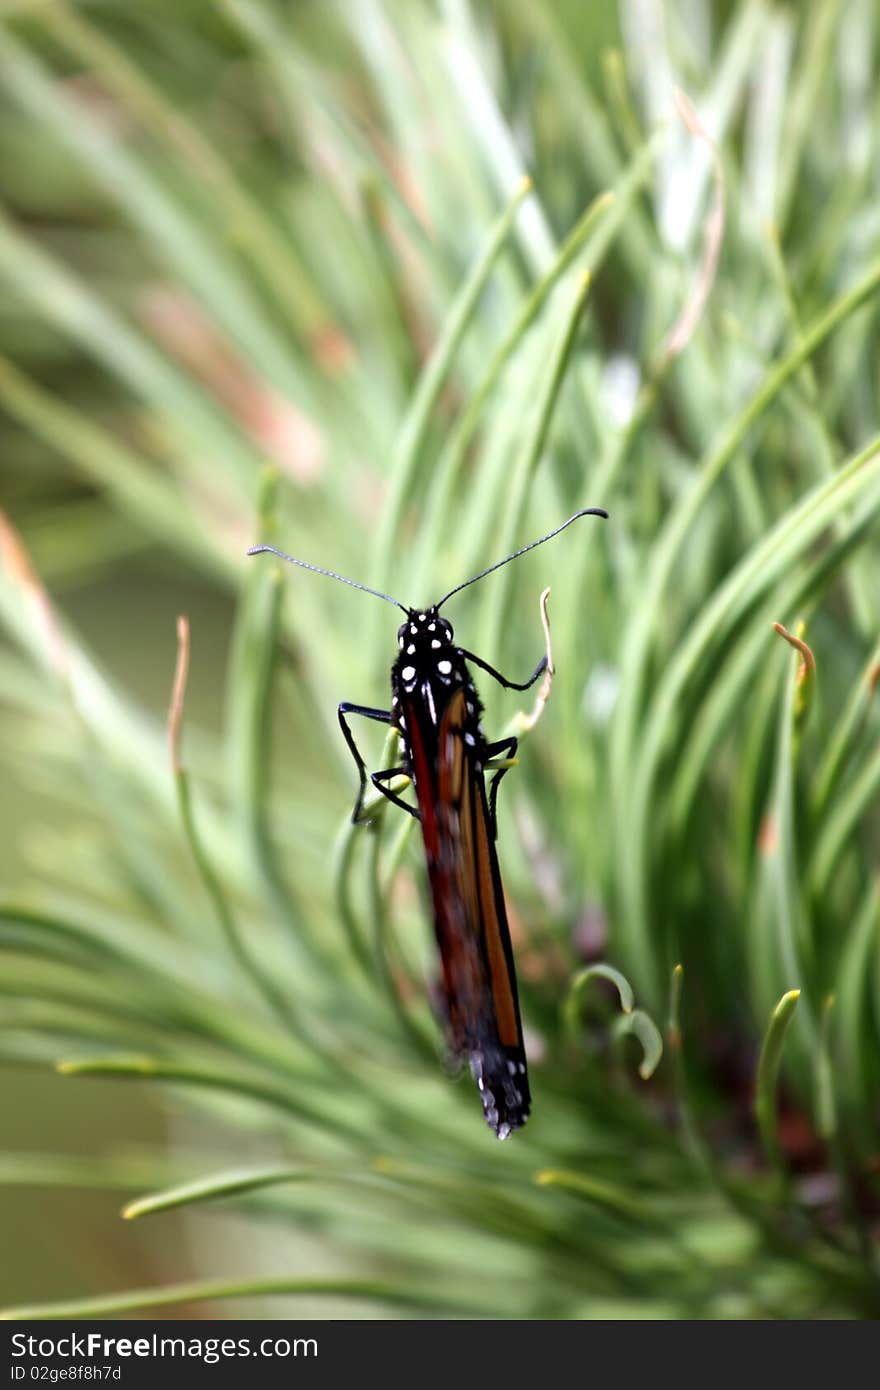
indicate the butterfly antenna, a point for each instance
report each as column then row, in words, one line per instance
column 587, row 511
column 316, row 569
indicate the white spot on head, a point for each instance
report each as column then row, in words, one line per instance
column 400, row 642
column 413, row 629
column 411, row 648
column 444, row 667
column 432, row 627
column 408, row 672
column 436, row 643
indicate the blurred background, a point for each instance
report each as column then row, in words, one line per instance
column 278, row 272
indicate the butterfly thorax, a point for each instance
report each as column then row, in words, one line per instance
column 429, row 667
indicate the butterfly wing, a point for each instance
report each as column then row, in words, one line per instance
column 470, row 919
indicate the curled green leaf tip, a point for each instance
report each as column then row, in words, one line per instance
column 599, row 971
column 768, row 1069
column 632, row 1020
column 643, row 1027
column 806, row 672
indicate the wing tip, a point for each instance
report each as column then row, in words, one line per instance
column 502, row 1081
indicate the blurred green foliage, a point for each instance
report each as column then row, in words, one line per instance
column 273, row 271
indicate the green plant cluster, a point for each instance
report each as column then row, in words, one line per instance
column 398, row 287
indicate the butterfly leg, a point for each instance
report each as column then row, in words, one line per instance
column 508, row 747
column 502, row 680
column 379, row 778
column 381, row 716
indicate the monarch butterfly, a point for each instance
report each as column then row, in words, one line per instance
column 436, row 710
